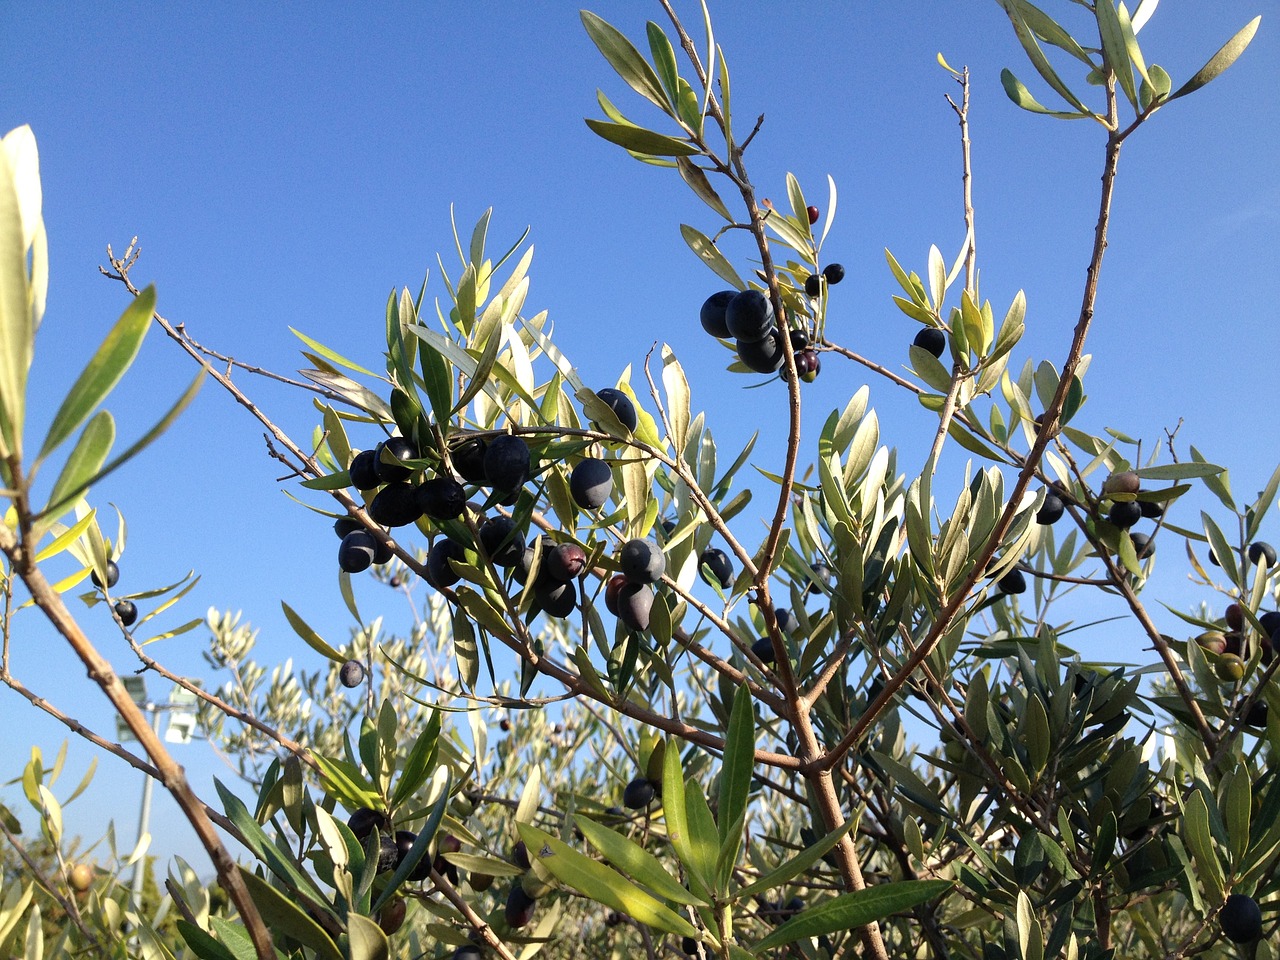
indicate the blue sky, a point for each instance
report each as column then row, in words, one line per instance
column 288, row 165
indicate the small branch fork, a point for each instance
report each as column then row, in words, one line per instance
column 817, row 765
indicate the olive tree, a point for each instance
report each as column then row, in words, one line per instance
column 629, row 720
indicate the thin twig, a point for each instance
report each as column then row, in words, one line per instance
column 951, row 608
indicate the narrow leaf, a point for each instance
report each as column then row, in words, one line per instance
column 85, row 459
column 312, row 639
column 735, row 777
column 1220, row 60
column 710, row 254
column 635, row 860
column 696, row 178
column 330, row 355
column 798, row 864
column 1114, row 48
column 283, row 915
column 99, row 377
column 1036, row 55
column 600, row 883
column 648, row 142
column 851, row 910
column 625, row 59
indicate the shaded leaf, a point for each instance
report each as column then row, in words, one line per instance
column 601, row 883
column 648, row 142
column 851, row 910
column 1195, row 831
column 1220, row 60
column 202, row 944
column 664, row 60
column 801, row 862
column 365, row 939
column 735, row 775
column 696, row 178
column 283, row 915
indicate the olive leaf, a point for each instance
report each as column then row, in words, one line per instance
column 1220, row 61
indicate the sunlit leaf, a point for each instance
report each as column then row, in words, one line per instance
column 1038, row 60
column 625, row 59
column 1114, row 48
column 634, row 860
column 16, row 326
column 103, row 371
column 709, row 254
column 330, row 355
column 312, row 639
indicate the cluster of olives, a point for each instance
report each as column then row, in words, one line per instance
column 1125, row 513
column 393, row 846
column 1122, row 513
column 833, row 273
column 1228, row 650
column 748, row 319
column 550, row 567
column 526, row 890
column 502, row 463
column 126, row 610
column 629, row 595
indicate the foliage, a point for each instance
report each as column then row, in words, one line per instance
column 763, row 725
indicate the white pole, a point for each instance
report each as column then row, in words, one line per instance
column 144, row 815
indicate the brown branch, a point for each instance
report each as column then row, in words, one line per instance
column 230, row 710
column 78, row 728
column 951, row 609
column 169, row 772
column 819, row 780
column 496, row 943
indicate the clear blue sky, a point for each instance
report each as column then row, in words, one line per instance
column 290, row 164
